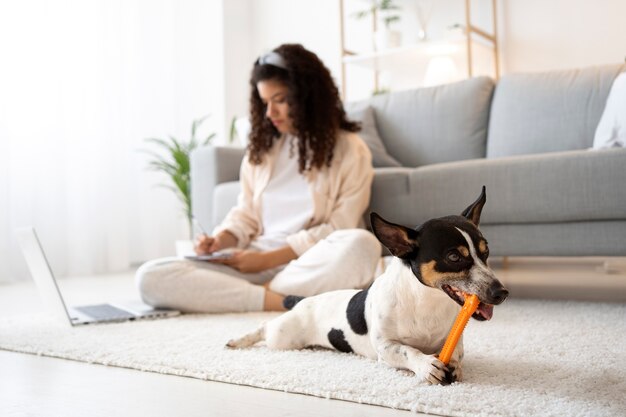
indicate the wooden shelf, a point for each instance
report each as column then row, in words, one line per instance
column 475, row 43
column 408, row 57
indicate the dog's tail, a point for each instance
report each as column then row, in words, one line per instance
column 290, row 301
column 247, row 340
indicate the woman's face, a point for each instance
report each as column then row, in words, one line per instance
column 274, row 96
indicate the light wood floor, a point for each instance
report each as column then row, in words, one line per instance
column 39, row 386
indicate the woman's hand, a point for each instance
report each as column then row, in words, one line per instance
column 249, row 261
column 206, row 245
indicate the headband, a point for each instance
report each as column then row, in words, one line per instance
column 272, row 58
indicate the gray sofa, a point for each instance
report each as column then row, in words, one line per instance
column 526, row 138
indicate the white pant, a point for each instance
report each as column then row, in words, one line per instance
column 344, row 259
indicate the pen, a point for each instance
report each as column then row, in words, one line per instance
column 197, row 223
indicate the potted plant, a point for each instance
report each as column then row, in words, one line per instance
column 175, row 164
column 384, row 38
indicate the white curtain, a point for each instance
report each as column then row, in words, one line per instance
column 82, row 84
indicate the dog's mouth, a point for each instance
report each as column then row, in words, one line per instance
column 483, row 312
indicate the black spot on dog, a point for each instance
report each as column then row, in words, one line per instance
column 356, row 312
column 449, row 377
column 338, row 340
column 290, row 301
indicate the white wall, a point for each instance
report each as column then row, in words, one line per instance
column 238, row 57
column 82, row 84
column 254, row 27
column 543, row 35
column 534, row 35
column 314, row 24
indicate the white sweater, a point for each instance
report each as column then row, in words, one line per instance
column 341, row 194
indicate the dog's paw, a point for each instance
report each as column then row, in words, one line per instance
column 454, row 373
column 232, row 344
column 237, row 343
column 247, row 340
column 432, row 370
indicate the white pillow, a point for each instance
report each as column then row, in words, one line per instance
column 611, row 131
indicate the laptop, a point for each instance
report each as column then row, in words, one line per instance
column 81, row 315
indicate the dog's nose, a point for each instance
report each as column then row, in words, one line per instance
column 498, row 294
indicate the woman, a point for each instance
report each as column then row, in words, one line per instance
column 305, row 185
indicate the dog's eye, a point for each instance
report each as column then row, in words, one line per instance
column 454, row 257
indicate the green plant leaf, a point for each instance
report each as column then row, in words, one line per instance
column 183, row 186
column 196, row 123
column 383, row 6
column 176, row 163
column 387, row 5
column 176, row 145
column 194, row 126
column 363, row 14
column 191, row 145
column 160, row 142
column 181, row 158
column 162, row 166
column 392, row 19
column 209, row 139
column 153, row 154
column 233, row 130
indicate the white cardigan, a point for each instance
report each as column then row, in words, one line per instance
column 341, row 194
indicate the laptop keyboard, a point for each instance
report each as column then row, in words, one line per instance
column 105, row 311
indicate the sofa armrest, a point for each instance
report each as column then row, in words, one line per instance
column 210, row 166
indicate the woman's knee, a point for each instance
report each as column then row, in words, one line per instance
column 360, row 240
column 151, row 279
column 345, row 259
column 367, row 240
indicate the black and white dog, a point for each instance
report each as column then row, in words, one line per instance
column 403, row 318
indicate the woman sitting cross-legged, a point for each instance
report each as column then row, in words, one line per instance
column 305, row 185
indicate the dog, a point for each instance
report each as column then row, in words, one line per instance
column 403, row 318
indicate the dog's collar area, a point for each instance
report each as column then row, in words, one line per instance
column 484, row 311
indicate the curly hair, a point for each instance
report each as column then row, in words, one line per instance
column 315, row 108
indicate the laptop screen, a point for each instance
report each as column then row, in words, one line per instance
column 41, row 272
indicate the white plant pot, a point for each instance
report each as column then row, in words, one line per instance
column 387, row 39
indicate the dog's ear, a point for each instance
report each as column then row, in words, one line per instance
column 472, row 213
column 401, row 241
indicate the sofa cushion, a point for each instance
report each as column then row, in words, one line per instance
column 593, row 238
column 548, row 112
column 567, row 186
column 435, row 124
column 369, row 134
column 391, row 197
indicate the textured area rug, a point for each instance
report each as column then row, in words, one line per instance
column 534, row 358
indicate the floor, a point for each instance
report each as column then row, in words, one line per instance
column 37, row 386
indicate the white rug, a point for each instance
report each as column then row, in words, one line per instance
column 533, row 359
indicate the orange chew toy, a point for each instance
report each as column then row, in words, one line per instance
column 469, row 307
